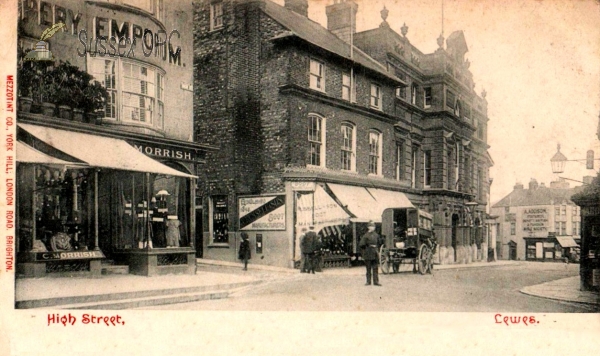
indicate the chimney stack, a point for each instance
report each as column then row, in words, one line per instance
column 297, row 6
column 533, row 184
column 341, row 19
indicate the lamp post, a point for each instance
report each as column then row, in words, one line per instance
column 589, row 267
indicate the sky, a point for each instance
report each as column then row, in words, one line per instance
column 538, row 61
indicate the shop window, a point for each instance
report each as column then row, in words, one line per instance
column 317, row 75
column 220, row 219
column 375, row 146
column 348, row 150
column 140, row 210
column 216, row 15
column 136, row 90
column 316, row 140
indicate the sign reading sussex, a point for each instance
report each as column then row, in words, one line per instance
column 535, row 220
column 262, row 213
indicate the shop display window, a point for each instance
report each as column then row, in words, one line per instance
column 55, row 210
column 220, row 219
column 140, row 210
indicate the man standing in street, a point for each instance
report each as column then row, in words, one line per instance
column 369, row 243
column 307, row 246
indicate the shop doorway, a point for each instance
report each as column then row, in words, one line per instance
column 512, row 251
column 454, row 233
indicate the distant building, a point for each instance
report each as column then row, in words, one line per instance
column 328, row 126
column 538, row 224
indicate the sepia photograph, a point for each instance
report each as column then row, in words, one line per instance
column 283, row 176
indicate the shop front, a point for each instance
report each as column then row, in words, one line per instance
column 87, row 200
column 550, row 249
column 340, row 214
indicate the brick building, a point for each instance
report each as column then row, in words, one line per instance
column 314, row 130
column 538, row 224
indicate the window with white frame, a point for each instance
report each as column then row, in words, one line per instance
column 427, row 98
column 348, row 150
column 136, row 90
column 457, row 166
column 413, row 167
column 346, row 87
column 399, row 160
column 216, row 15
column 376, row 96
column 563, row 210
column 560, row 228
column 401, row 93
column 316, row 140
column 317, row 75
column 413, row 94
column 513, row 228
column 427, row 168
column 375, row 147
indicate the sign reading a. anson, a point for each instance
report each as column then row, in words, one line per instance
column 262, row 213
column 535, row 220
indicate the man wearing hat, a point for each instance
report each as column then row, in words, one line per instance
column 307, row 246
column 369, row 244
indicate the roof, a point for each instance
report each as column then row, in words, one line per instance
column 302, row 27
column 538, row 196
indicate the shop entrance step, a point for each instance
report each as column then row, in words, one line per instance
column 115, row 269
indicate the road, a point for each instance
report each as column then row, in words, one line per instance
column 484, row 289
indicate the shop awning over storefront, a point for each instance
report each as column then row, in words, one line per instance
column 368, row 203
column 100, row 151
column 566, row 241
column 28, row 154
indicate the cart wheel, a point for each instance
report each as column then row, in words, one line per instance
column 424, row 259
column 384, row 264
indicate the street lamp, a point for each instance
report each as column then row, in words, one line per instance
column 558, row 161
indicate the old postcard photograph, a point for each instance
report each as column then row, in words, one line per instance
column 300, row 176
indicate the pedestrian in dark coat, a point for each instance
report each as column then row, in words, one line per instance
column 307, row 246
column 244, row 252
column 369, row 244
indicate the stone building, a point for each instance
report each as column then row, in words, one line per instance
column 538, row 224
column 329, row 126
column 112, row 190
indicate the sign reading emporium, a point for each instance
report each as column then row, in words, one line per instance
column 535, row 220
column 262, row 213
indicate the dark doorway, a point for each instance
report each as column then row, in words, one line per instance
column 512, row 252
column 199, row 241
column 454, row 233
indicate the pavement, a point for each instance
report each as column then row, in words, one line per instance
column 215, row 280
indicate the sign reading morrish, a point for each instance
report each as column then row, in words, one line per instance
column 262, row 213
column 68, row 255
column 165, row 151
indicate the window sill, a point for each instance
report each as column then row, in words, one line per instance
column 376, row 108
column 317, row 89
column 216, row 29
column 218, row 245
column 375, row 175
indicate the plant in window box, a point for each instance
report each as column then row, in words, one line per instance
column 30, row 76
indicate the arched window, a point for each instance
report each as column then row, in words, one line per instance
column 348, row 149
column 375, row 148
column 316, row 140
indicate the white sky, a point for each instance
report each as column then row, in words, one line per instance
column 539, row 62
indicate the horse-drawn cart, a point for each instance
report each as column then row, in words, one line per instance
column 407, row 238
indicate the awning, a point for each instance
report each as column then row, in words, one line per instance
column 566, row 241
column 28, row 154
column 100, row 151
column 358, row 201
column 390, row 199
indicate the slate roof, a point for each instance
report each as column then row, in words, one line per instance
column 312, row 32
column 539, row 196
